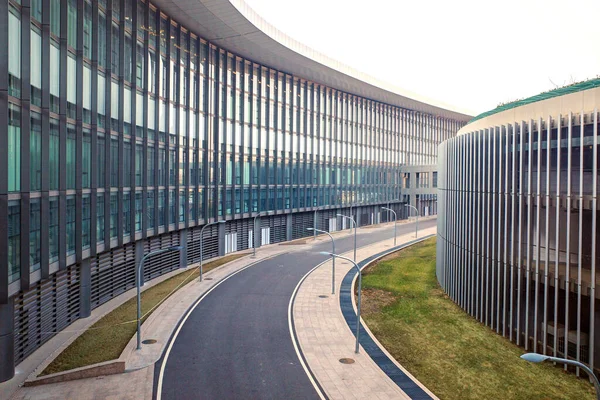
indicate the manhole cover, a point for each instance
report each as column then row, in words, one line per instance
column 149, row 341
column 323, row 296
column 208, row 279
column 347, row 360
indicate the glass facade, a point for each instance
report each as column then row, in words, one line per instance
column 124, row 125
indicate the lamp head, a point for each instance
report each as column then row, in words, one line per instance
column 309, row 229
column 325, row 253
column 222, row 222
column 175, row 248
column 534, row 357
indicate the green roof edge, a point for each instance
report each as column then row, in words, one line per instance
column 576, row 87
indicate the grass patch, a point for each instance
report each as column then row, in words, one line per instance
column 450, row 352
column 106, row 339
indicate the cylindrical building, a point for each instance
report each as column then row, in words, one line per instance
column 517, row 228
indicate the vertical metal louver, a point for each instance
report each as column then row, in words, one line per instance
column 277, row 225
column 162, row 263
column 210, row 244
column 301, row 221
column 45, row 309
column 112, row 273
column 242, row 228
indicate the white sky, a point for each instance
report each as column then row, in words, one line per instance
column 472, row 54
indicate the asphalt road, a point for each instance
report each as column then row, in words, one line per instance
column 236, row 344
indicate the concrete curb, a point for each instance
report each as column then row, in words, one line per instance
column 115, row 366
column 91, row 371
column 364, row 328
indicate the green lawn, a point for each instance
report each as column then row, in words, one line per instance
column 108, row 342
column 450, row 352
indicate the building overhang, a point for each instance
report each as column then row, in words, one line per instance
column 233, row 25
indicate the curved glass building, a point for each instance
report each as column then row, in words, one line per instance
column 518, row 223
column 126, row 126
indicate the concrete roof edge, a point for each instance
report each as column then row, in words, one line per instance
column 312, row 61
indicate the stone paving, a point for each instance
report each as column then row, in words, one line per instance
column 323, row 334
column 325, row 338
column 136, row 383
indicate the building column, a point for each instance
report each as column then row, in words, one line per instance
column 183, row 252
column 289, row 227
column 221, row 236
column 256, row 235
column 85, row 289
column 7, row 341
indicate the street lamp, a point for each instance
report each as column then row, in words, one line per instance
column 254, row 235
column 395, row 221
column 201, row 238
column 359, row 289
column 417, row 229
column 538, row 358
column 139, row 284
column 333, row 245
column 315, row 224
column 354, row 222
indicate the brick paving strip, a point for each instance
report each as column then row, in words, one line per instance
column 136, row 383
column 325, row 337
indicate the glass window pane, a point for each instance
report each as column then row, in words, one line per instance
column 126, row 214
column 86, row 159
column 101, row 161
column 102, row 40
column 35, row 152
column 14, row 53
column 53, row 230
column 138, row 212
column 85, row 221
column 54, row 78
column 36, row 10
column 14, row 148
column 36, row 67
column 87, row 30
column 71, row 164
column 14, row 241
column 72, row 23
column 150, row 209
column 100, row 218
column 34, row 235
column 70, row 225
column 53, row 157
column 114, row 214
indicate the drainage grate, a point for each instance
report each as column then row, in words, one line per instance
column 149, row 341
column 347, row 360
column 208, row 279
column 323, row 296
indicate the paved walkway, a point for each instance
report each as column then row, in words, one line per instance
column 325, row 338
column 137, row 382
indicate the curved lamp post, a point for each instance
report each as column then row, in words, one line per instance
column 359, row 289
column 395, row 221
column 201, row 238
column 333, row 245
column 415, row 208
column 315, row 224
column 354, row 222
column 254, row 235
column 538, row 358
column 139, row 284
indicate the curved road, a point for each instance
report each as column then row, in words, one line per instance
column 236, row 343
